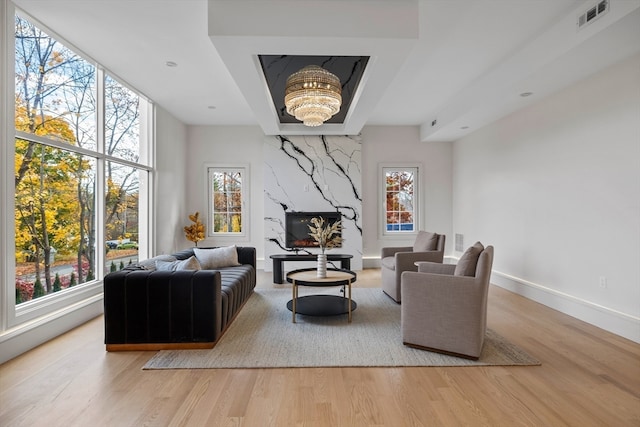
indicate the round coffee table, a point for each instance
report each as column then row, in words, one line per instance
column 321, row 305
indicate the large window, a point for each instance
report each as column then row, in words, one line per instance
column 82, row 171
column 227, row 189
column 400, row 199
column 54, row 205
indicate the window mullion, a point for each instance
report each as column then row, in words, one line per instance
column 100, row 109
column 100, row 174
column 54, row 143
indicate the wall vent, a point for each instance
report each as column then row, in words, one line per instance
column 459, row 242
column 593, row 13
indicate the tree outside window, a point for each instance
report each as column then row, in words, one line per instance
column 400, row 207
column 122, row 121
column 57, row 159
column 226, row 200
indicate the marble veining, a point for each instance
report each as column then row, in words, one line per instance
column 313, row 173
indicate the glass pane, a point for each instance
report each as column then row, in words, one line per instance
column 122, row 197
column 226, row 186
column 399, row 200
column 392, row 182
column 220, row 202
column 392, row 201
column 405, row 200
column 122, row 121
column 236, row 223
column 54, row 220
column 55, row 88
column 221, row 222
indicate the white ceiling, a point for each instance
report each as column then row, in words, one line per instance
column 462, row 63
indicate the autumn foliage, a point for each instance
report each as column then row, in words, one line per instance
column 195, row 231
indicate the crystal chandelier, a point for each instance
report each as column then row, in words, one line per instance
column 313, row 95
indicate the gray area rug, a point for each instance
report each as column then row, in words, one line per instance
column 263, row 336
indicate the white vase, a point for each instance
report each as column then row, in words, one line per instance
column 322, row 266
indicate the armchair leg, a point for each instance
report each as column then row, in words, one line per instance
column 435, row 350
column 392, row 298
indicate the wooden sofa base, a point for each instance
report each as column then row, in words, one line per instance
column 161, row 346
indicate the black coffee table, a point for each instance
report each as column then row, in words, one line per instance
column 321, row 305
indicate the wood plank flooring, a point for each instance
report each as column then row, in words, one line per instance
column 588, row 377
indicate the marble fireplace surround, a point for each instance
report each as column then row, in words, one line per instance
column 313, row 174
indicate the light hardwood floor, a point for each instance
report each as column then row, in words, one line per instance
column 588, row 377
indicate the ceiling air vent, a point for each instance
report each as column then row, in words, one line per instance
column 593, row 13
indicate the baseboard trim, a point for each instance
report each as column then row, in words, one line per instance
column 374, row 262
column 616, row 322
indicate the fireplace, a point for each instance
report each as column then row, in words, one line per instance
column 297, row 228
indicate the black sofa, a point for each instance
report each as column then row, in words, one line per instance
column 154, row 310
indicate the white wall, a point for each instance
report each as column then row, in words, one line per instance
column 401, row 144
column 226, row 145
column 170, row 181
column 230, row 144
column 556, row 189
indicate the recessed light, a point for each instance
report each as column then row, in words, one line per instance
column 171, row 64
column 525, row 94
column 464, row 127
column 211, row 107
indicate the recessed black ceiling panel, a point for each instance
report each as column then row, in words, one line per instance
column 277, row 68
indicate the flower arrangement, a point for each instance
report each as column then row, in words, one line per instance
column 195, row 231
column 327, row 236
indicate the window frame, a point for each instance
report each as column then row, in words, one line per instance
column 244, row 170
column 383, row 168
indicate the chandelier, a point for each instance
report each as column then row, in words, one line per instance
column 313, row 95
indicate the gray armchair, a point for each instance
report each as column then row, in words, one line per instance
column 395, row 260
column 444, row 306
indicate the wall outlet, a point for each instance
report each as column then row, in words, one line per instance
column 459, row 246
column 603, row 282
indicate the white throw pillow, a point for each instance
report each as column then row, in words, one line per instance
column 150, row 264
column 190, row 263
column 210, row 259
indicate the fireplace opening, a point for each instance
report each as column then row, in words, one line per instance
column 297, row 228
